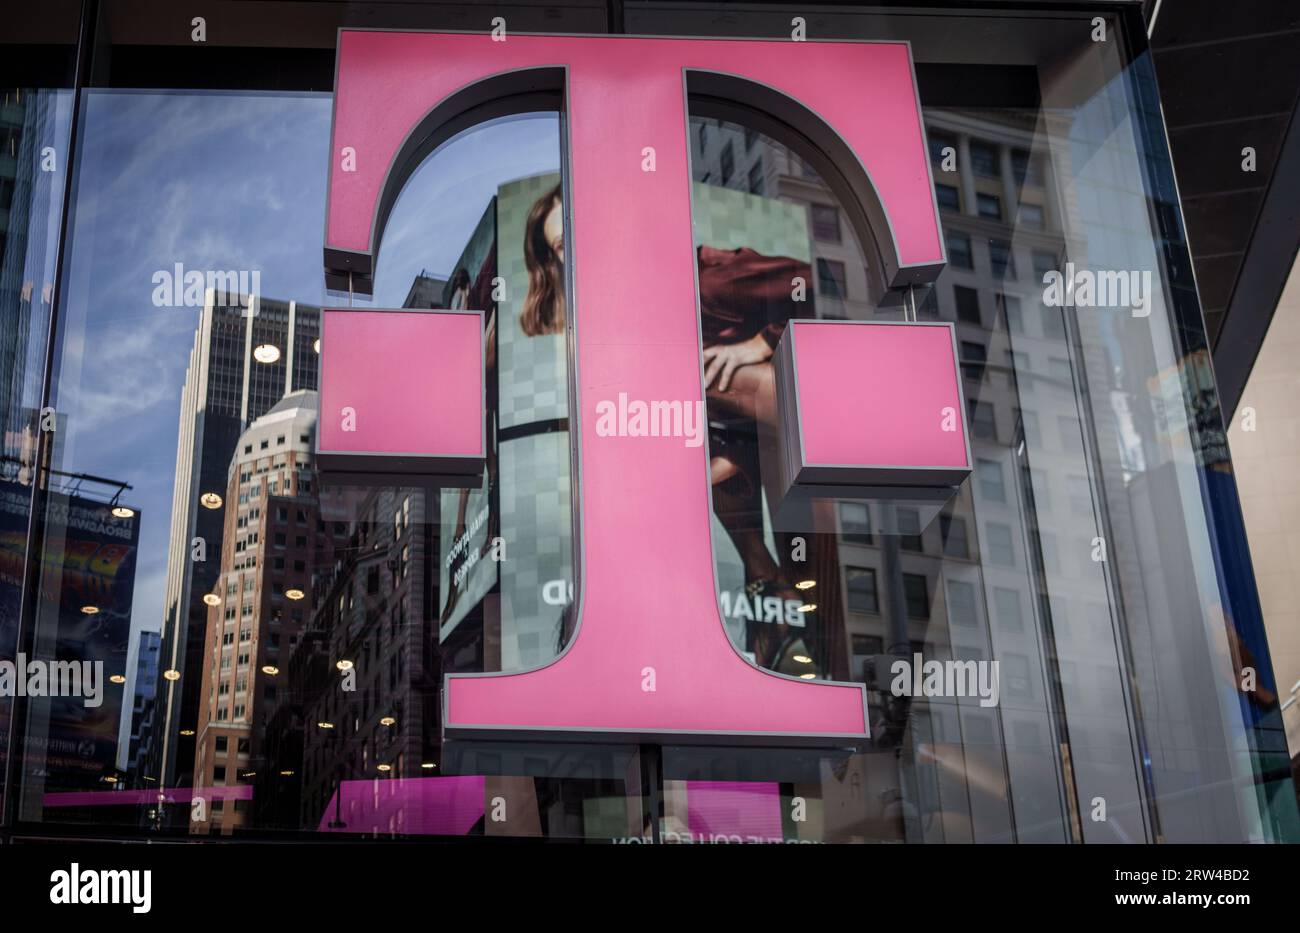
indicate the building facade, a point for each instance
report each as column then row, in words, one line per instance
column 1085, row 593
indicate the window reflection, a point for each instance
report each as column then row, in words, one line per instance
column 890, row 580
column 277, row 641
column 273, row 644
column 34, row 128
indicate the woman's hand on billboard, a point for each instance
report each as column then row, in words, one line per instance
column 722, row 360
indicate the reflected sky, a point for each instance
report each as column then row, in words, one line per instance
column 223, row 181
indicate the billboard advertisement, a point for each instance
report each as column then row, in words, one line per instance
column 87, row 582
column 750, row 248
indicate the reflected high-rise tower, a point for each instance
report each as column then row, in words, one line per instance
column 260, row 604
column 241, row 365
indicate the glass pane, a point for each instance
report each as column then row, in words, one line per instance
column 34, row 128
column 1087, row 424
column 274, row 642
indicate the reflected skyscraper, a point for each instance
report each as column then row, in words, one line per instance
column 242, row 363
column 259, row 605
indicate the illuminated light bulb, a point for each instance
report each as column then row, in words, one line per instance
column 266, row 353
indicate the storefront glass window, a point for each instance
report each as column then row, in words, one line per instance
column 273, row 642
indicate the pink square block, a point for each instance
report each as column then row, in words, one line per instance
column 871, row 403
column 401, row 392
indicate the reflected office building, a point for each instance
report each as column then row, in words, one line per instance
column 247, row 356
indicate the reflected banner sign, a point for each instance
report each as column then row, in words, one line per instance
column 650, row 663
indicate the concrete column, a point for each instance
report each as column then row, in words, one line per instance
column 1010, row 198
column 967, row 174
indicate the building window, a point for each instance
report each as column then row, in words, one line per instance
column 992, row 486
column 938, row 143
column 756, row 178
column 867, row 644
column 855, row 523
column 961, row 603
column 989, row 206
column 955, row 543
column 831, row 278
column 1000, row 548
column 727, row 163
column 983, row 423
column 984, row 159
column 959, row 251
column 973, row 358
column 1007, row 603
column 826, row 223
column 1026, row 168
column 916, row 592
column 948, row 197
column 909, row 530
column 1009, row 305
column 1044, row 262
column 968, row 304
column 861, row 584
column 1032, row 217
column 1001, row 261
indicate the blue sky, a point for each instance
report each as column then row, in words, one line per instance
column 218, row 180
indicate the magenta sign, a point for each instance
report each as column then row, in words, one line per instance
column 647, row 662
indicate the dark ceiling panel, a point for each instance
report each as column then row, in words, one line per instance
column 1215, row 277
column 1208, row 158
column 1182, row 22
column 1220, row 224
column 1229, row 76
column 1228, row 80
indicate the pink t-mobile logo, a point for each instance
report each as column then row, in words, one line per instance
column 650, row 658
